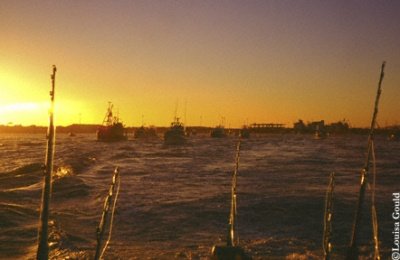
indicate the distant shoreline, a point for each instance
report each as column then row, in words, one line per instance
column 92, row 128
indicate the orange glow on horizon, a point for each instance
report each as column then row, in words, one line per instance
column 253, row 64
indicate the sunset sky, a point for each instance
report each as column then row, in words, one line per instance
column 247, row 61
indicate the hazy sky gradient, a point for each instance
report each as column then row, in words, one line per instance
column 247, row 61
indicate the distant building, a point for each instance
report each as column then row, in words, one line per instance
column 266, row 127
column 339, row 127
column 299, row 127
column 320, row 126
column 316, row 126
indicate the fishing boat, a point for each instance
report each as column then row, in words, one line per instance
column 145, row 133
column 175, row 135
column 244, row 132
column 112, row 129
column 394, row 135
column 218, row 132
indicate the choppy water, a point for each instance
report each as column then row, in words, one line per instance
column 174, row 201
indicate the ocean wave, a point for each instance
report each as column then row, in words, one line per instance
column 69, row 187
column 22, row 176
column 28, row 168
column 174, row 201
column 12, row 215
column 32, row 143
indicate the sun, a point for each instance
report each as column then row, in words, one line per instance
column 16, row 107
column 26, row 113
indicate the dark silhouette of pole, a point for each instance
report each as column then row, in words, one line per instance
column 43, row 233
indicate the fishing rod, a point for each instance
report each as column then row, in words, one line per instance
column 353, row 247
column 233, row 239
column 43, row 246
column 374, row 216
column 112, row 192
column 326, row 242
column 232, row 250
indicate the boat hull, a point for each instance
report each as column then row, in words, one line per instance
column 112, row 133
column 173, row 139
column 145, row 133
column 218, row 132
column 174, row 136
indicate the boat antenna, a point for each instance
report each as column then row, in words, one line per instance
column 43, row 233
column 223, row 121
column 116, row 118
column 353, row 247
column 185, row 113
column 176, row 109
column 108, row 118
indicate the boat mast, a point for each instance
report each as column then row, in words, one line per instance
column 43, row 247
column 108, row 119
